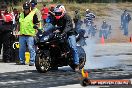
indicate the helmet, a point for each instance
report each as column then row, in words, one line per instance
column 26, row 6
column 59, row 11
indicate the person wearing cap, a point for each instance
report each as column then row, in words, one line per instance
column 125, row 19
column 27, row 22
column 6, row 20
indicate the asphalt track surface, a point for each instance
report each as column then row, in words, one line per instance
column 108, row 61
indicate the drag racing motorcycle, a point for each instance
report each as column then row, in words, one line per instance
column 53, row 51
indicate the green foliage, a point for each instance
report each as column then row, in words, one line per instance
column 94, row 1
column 15, row 2
column 69, row 1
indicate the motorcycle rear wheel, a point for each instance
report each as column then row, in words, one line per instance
column 82, row 58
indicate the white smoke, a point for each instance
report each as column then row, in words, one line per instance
column 97, row 62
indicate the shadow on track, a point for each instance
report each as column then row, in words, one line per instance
column 33, row 79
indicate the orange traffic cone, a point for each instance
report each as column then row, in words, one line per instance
column 102, row 40
column 86, row 74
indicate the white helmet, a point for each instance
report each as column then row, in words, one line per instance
column 59, row 11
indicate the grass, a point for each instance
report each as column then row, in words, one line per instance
column 100, row 9
column 96, row 8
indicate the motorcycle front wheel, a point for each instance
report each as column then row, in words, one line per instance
column 42, row 61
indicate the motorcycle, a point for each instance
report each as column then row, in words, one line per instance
column 53, row 51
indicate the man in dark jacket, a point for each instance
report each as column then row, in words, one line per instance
column 65, row 22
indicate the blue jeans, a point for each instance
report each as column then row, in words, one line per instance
column 125, row 28
column 104, row 33
column 23, row 40
column 93, row 31
column 90, row 30
column 72, row 43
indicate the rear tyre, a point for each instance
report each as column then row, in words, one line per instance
column 82, row 58
column 42, row 61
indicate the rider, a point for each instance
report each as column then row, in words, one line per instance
column 65, row 22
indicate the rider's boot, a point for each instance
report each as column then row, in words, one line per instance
column 77, row 68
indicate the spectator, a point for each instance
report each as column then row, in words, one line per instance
column 125, row 19
column 33, row 5
column 89, row 18
column 27, row 22
column 44, row 12
column 89, row 21
column 16, row 17
column 77, row 20
column 6, row 20
column 51, row 13
column 50, row 19
column 104, row 30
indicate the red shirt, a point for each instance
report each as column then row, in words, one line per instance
column 8, row 16
column 44, row 12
